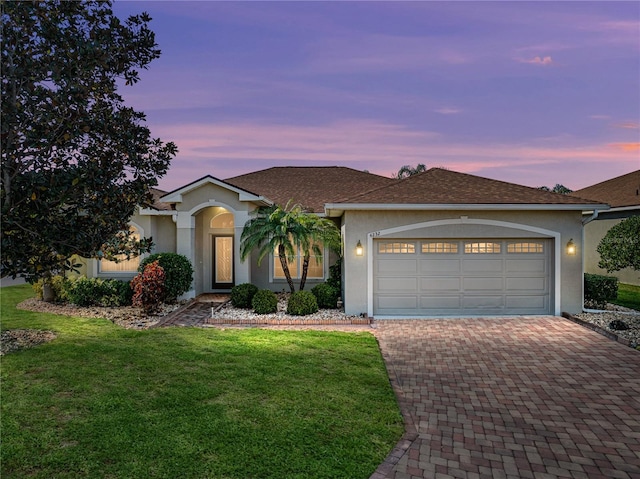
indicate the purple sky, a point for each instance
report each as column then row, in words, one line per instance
column 536, row 93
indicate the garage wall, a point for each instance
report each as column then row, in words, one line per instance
column 359, row 224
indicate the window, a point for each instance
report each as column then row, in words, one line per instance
column 439, row 247
column 315, row 269
column 482, row 248
column 222, row 220
column 124, row 266
column 397, row 247
column 526, row 247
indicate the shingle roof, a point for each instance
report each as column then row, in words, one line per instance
column 617, row 192
column 157, row 204
column 445, row 187
column 309, row 186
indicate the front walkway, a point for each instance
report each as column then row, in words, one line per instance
column 194, row 313
column 537, row 397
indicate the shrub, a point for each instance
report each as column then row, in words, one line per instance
column 58, row 283
column 302, row 303
column 96, row 292
column 598, row 289
column 335, row 275
column 85, row 291
column 327, row 296
column 242, row 295
column 116, row 293
column 178, row 273
column 148, row 288
column 265, row 302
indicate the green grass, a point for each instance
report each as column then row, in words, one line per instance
column 628, row 296
column 104, row 402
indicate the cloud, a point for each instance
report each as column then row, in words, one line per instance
column 537, row 60
column 448, row 110
column 626, row 147
column 600, row 117
column 628, row 125
column 228, row 149
column 355, row 52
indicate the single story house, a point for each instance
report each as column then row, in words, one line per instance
column 439, row 243
column 623, row 195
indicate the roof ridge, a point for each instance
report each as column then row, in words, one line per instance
column 616, row 178
column 433, row 175
column 332, row 167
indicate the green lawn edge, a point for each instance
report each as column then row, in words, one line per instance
column 628, row 296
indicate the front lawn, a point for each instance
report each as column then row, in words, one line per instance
column 628, row 296
column 101, row 401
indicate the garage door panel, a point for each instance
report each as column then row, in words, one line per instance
column 398, row 302
column 526, row 302
column 430, row 282
column 526, row 266
column 397, row 266
column 397, row 284
column 440, row 302
column 533, row 285
column 480, row 283
column 441, row 265
column 482, row 265
column 482, row 302
column 440, row 284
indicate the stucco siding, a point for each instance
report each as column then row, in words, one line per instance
column 261, row 276
column 163, row 232
column 212, row 195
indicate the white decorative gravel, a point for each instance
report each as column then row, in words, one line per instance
column 228, row 311
column 603, row 319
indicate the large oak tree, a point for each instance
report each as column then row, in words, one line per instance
column 76, row 161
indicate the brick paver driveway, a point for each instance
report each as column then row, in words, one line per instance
column 537, row 397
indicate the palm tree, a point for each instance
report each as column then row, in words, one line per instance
column 407, row 171
column 273, row 227
column 288, row 230
column 319, row 231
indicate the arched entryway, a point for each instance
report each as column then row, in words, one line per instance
column 216, row 248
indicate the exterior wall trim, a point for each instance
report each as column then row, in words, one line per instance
column 176, row 195
column 464, row 220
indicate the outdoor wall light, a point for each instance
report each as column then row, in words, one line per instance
column 359, row 249
column 571, row 247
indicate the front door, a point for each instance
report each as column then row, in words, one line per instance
column 222, row 262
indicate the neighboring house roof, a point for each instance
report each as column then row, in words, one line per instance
column 617, row 192
column 438, row 186
column 309, row 186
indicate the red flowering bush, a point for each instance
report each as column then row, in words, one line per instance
column 148, row 288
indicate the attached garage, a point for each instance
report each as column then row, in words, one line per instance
column 454, row 277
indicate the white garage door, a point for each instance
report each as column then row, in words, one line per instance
column 462, row 277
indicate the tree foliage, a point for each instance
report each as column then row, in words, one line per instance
column 620, row 247
column 75, row 160
column 285, row 230
column 407, row 170
column 563, row 190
